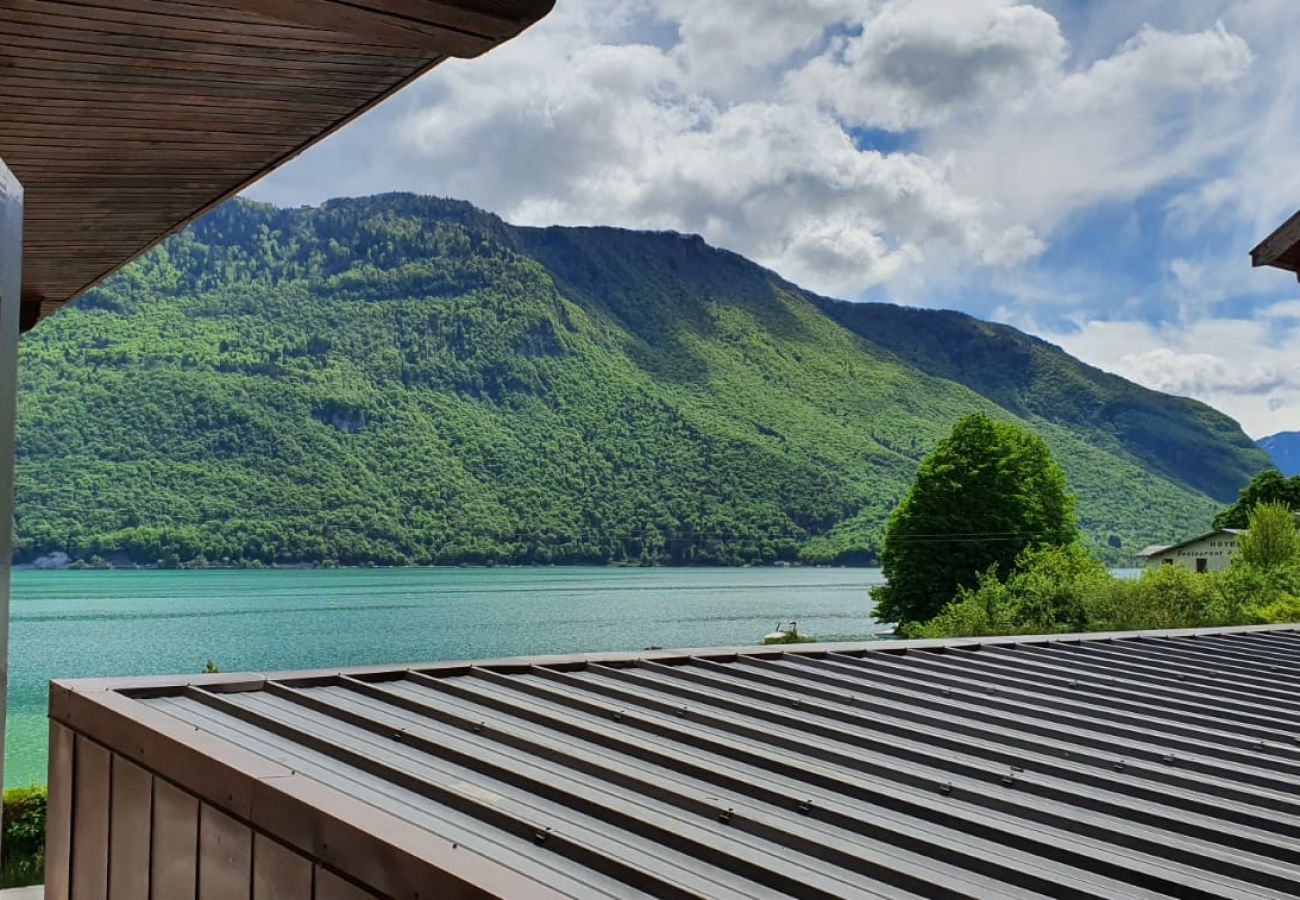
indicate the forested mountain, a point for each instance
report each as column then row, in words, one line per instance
column 1284, row 450
column 406, row 379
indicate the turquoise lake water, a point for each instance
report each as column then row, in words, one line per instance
column 77, row 624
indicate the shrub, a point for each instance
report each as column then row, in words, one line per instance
column 23, row 844
column 1055, row 589
column 988, row 608
column 1046, row 592
column 1164, row 597
column 1271, row 541
column 1052, row 586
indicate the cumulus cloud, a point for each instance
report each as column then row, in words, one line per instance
column 741, row 50
column 737, row 121
column 923, row 151
column 1247, row 367
column 917, row 63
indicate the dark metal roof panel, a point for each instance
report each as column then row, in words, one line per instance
column 1163, row 764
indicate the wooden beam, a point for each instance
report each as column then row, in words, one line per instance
column 1279, row 247
column 11, row 254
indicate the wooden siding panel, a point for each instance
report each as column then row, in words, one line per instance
column 225, row 856
column 58, row 816
column 278, row 872
column 130, row 819
column 331, row 887
column 92, row 781
column 174, row 861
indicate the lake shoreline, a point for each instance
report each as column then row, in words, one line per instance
column 291, row 567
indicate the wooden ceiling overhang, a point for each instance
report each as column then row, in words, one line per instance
column 1281, row 249
column 127, row 119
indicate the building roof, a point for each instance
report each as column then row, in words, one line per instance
column 1156, row 549
column 126, row 119
column 1281, row 249
column 1121, row 765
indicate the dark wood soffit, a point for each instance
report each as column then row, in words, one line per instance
column 127, row 119
column 1281, row 249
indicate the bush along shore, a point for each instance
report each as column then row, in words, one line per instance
column 1063, row 589
column 986, row 543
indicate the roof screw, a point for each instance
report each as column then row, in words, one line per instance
column 805, row 807
column 1009, row 779
column 993, row 690
column 725, row 816
column 540, row 837
column 1182, row 676
column 947, row 692
column 797, row 702
column 946, row 787
column 1017, row 768
column 1119, row 765
column 1259, row 745
column 1074, row 682
column 681, row 711
column 1168, row 758
column 851, row 699
column 618, row 716
column 478, row 726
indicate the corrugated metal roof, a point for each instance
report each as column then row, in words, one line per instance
column 1162, row 764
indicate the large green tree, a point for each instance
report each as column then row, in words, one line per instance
column 989, row 491
column 1269, row 486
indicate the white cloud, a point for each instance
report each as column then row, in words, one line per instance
column 621, row 135
column 918, row 63
column 1155, row 62
column 740, row 50
column 734, row 120
column 765, row 126
column 1249, row 368
column 1110, row 131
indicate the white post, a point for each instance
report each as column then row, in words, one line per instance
column 11, row 252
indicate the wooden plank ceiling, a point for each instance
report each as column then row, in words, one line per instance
column 126, row 119
column 1281, row 249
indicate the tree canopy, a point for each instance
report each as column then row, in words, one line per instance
column 989, row 491
column 1269, row 486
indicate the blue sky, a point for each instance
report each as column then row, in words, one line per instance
column 1093, row 172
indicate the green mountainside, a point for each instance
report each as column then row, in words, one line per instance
column 405, row 379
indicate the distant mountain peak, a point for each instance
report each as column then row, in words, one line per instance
column 1284, row 449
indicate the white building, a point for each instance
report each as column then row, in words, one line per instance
column 1208, row 553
